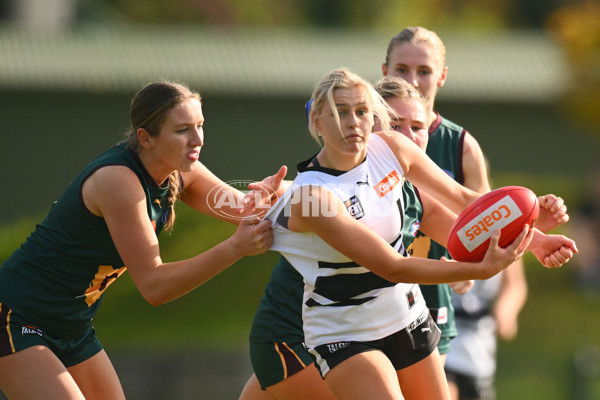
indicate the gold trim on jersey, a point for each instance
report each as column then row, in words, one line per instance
column 420, row 247
column 104, row 277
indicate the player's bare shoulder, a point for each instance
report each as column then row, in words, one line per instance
column 393, row 139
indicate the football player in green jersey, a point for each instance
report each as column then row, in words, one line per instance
column 418, row 56
column 105, row 222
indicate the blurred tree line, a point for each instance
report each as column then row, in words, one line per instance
column 574, row 24
column 577, row 29
column 464, row 14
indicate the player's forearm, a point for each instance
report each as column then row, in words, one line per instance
column 169, row 281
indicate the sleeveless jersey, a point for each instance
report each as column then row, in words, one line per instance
column 57, row 277
column 445, row 148
column 342, row 300
column 279, row 314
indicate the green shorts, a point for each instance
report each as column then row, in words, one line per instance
column 444, row 319
column 444, row 345
column 18, row 334
column 275, row 361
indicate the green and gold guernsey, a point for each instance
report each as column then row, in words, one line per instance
column 279, row 315
column 445, row 148
column 56, row 279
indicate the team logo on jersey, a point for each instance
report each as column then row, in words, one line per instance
column 387, row 184
column 413, row 296
column 415, row 228
column 354, row 207
column 31, row 330
column 450, row 173
column 165, row 216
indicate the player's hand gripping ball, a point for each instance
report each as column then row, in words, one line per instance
column 508, row 209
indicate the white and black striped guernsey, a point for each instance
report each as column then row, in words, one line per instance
column 342, row 300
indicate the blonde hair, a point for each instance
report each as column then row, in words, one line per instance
column 390, row 87
column 343, row 78
column 149, row 109
column 417, row 36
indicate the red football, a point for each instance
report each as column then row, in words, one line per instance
column 508, row 209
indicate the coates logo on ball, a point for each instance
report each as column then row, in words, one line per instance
column 481, row 228
column 222, row 201
column 507, row 209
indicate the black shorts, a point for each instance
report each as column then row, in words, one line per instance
column 472, row 387
column 18, row 334
column 404, row 348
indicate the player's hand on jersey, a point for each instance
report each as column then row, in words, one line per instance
column 553, row 212
column 552, row 251
column 498, row 258
column 265, row 193
column 252, row 237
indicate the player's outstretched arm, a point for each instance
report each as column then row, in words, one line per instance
column 553, row 212
column 552, row 251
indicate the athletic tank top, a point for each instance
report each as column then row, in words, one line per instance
column 56, row 279
column 342, row 300
column 279, row 314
